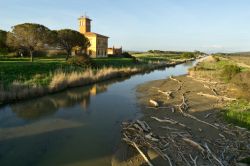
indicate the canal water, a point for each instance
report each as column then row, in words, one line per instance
column 77, row 127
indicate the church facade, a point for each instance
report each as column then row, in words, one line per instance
column 99, row 43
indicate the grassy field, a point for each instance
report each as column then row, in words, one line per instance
column 38, row 72
column 113, row 62
column 41, row 70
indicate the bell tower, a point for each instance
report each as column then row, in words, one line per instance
column 84, row 24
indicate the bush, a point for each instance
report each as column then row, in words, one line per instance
column 81, row 60
column 188, row 55
column 216, row 58
column 126, row 55
column 229, row 71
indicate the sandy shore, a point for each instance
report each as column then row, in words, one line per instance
column 202, row 120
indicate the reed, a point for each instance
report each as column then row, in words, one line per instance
column 61, row 80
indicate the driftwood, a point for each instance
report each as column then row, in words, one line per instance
column 194, row 144
column 163, row 155
column 139, row 135
column 183, row 106
column 171, row 77
column 143, row 125
column 199, row 120
column 208, row 115
column 154, row 103
column 224, row 98
column 212, row 155
column 194, row 159
column 212, row 89
column 168, row 128
column 171, row 121
column 168, row 94
column 126, row 139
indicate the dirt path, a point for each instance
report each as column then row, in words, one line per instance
column 186, row 127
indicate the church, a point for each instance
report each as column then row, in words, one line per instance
column 99, row 43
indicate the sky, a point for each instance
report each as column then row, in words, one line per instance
column 141, row 25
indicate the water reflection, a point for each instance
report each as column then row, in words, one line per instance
column 48, row 105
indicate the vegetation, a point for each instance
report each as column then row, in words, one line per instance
column 238, row 112
column 188, row 55
column 113, row 62
column 3, row 46
column 224, row 69
column 32, row 83
column 229, row 71
column 37, row 73
column 83, row 61
column 68, row 39
column 30, row 37
column 154, row 57
column 158, row 55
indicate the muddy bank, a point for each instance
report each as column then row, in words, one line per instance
column 186, row 128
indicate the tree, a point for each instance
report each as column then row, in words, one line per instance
column 3, row 46
column 188, row 55
column 30, row 36
column 68, row 39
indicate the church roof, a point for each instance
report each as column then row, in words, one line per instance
column 94, row 34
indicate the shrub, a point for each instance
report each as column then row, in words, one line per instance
column 81, row 60
column 216, row 58
column 229, row 71
column 188, row 55
column 127, row 55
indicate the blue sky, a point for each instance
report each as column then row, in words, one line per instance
column 206, row 25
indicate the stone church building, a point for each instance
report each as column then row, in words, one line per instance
column 99, row 43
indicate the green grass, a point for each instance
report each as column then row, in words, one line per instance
column 38, row 72
column 41, row 70
column 238, row 113
column 113, row 62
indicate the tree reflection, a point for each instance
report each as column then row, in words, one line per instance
column 48, row 105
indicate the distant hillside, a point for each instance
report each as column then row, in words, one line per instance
column 241, row 53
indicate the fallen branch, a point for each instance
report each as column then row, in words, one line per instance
column 209, row 114
column 171, row 77
column 142, row 154
column 216, row 97
column 163, row 155
column 193, row 117
column 212, row 89
column 213, row 155
column 193, row 159
column 144, row 125
column 171, row 121
column 138, row 149
column 194, row 144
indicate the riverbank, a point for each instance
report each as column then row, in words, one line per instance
column 63, row 80
column 184, row 125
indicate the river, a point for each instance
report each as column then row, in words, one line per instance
column 79, row 126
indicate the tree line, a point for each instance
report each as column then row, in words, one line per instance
column 33, row 37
